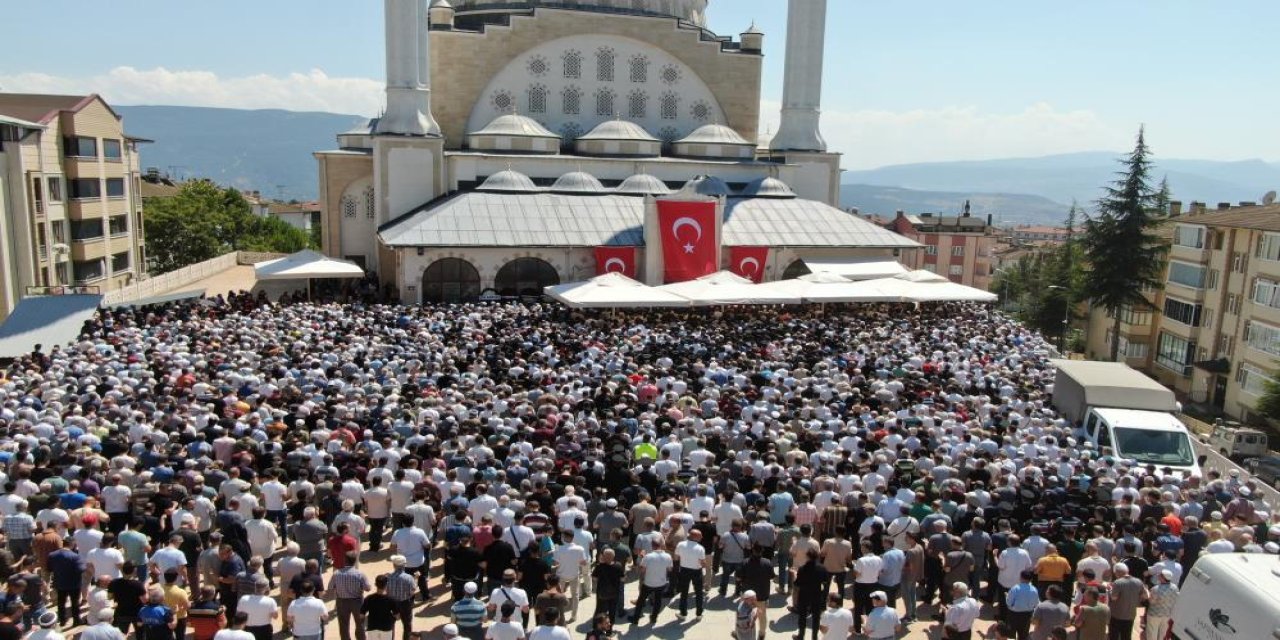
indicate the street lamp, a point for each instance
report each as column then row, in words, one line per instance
column 1066, row 318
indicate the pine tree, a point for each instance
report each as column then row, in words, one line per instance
column 1124, row 253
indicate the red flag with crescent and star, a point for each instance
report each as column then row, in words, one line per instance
column 689, row 245
column 616, row 260
column 749, row 262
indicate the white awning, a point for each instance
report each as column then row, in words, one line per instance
column 613, row 291
column 925, row 286
column 724, row 287
column 305, row 265
column 824, row 288
column 857, row 268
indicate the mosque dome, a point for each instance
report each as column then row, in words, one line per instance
column 514, row 133
column 708, row 186
column 508, row 182
column 643, row 184
column 622, row 130
column 619, row 138
column 577, row 182
column 694, row 11
column 714, row 141
column 768, row 187
column 515, row 125
column 713, row 134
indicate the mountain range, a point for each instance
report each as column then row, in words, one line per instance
column 270, row 150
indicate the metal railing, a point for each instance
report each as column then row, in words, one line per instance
column 164, row 283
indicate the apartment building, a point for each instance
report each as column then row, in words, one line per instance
column 71, row 203
column 1217, row 338
column 1039, row 234
column 958, row 247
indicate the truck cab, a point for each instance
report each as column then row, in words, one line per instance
column 1230, row 596
column 1146, row 437
column 1237, row 442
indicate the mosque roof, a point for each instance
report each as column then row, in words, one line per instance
column 768, row 187
column 643, row 184
column 516, row 126
column 619, row 130
column 508, row 182
column 577, row 182
column 714, row 134
column 708, row 186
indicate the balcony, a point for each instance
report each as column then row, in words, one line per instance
column 88, row 249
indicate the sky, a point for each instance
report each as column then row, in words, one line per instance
column 904, row 82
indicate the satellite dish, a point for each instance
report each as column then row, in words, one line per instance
column 1270, row 198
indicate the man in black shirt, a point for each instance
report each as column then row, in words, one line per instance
column 498, row 557
column 757, row 574
column 128, row 593
column 379, row 611
column 609, row 586
column 808, row 586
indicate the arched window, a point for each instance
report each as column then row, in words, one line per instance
column 572, row 63
column 604, row 103
column 571, row 99
column 796, row 269
column 370, row 203
column 450, row 280
column 670, row 106
column 349, row 206
column 525, row 277
column 537, row 99
column 639, row 68
column 604, row 64
column 637, row 104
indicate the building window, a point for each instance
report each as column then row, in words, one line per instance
column 570, row 100
column 83, row 188
column 80, row 147
column 1130, row 349
column 1266, row 293
column 450, row 280
column 700, row 111
column 604, row 103
column 1186, row 274
column 60, row 231
column 957, row 250
column 537, row 95
column 37, row 195
column 86, row 229
column 538, row 66
column 957, row 270
column 1262, row 337
column 604, row 64
column 1175, row 353
column 1182, row 312
column 1239, row 260
column 670, row 74
column 931, row 250
column 118, row 225
column 120, row 262
column 55, row 189
column 1189, row 236
column 111, row 150
column 1269, row 246
column 115, row 187
column 931, row 267
column 1211, row 281
column 1226, row 344
column 1233, row 304
column 370, row 203
column 349, row 206
column 1252, row 380
column 639, row 68
column 670, row 106
column 1129, row 315
column 637, row 104
column 502, row 101
column 525, row 277
column 88, row 270
column 572, row 63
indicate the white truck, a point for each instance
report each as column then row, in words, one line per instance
column 1230, row 596
column 1119, row 408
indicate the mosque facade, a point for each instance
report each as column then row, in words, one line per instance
column 529, row 143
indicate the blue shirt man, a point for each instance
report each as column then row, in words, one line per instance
column 780, row 504
column 891, row 565
column 1023, row 597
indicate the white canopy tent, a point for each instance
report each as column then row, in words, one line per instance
column 863, row 268
column 825, row 288
column 724, row 287
column 306, row 265
column 925, row 286
column 613, row 291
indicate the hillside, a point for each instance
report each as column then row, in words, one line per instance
column 267, row 150
column 1005, row 208
column 1079, row 176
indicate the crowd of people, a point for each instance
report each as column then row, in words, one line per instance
column 230, row 469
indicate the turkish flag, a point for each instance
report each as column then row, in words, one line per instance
column 689, row 245
column 616, row 260
column 749, row 262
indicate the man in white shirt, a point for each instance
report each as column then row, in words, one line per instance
column 115, row 501
column 866, row 576
column 508, row 592
column 883, row 622
column 691, row 559
column 307, row 614
column 571, row 560
column 655, row 567
column 1011, row 563
column 377, row 504
column 961, row 613
column 508, row 627
column 836, row 622
column 106, row 560
column 260, row 608
column 414, row 544
column 263, row 540
column 275, row 498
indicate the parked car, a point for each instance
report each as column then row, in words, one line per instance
column 1266, row 470
column 1237, row 442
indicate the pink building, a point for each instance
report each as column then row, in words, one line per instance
column 958, row 247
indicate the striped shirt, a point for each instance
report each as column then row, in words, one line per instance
column 400, row 585
column 468, row 613
column 349, row 584
column 805, row 513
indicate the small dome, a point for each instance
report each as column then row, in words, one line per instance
column 708, row 186
column 752, row 30
column 768, row 188
column 516, row 126
column 643, row 184
column 619, row 130
column 577, row 182
column 508, row 181
column 713, row 134
column 445, row 4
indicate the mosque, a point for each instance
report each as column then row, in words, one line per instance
column 527, row 143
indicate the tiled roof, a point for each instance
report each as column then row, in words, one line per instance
column 1264, row 218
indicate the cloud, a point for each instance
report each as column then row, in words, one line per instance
column 874, row 138
column 312, row 91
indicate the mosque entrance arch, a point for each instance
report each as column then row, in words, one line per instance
column 450, row 280
column 525, row 277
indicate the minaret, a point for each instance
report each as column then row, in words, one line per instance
column 408, row 71
column 802, row 84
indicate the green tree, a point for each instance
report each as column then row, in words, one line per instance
column 1124, row 253
column 203, row 221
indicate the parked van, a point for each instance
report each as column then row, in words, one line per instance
column 1230, row 596
column 1146, row 437
column 1237, row 442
